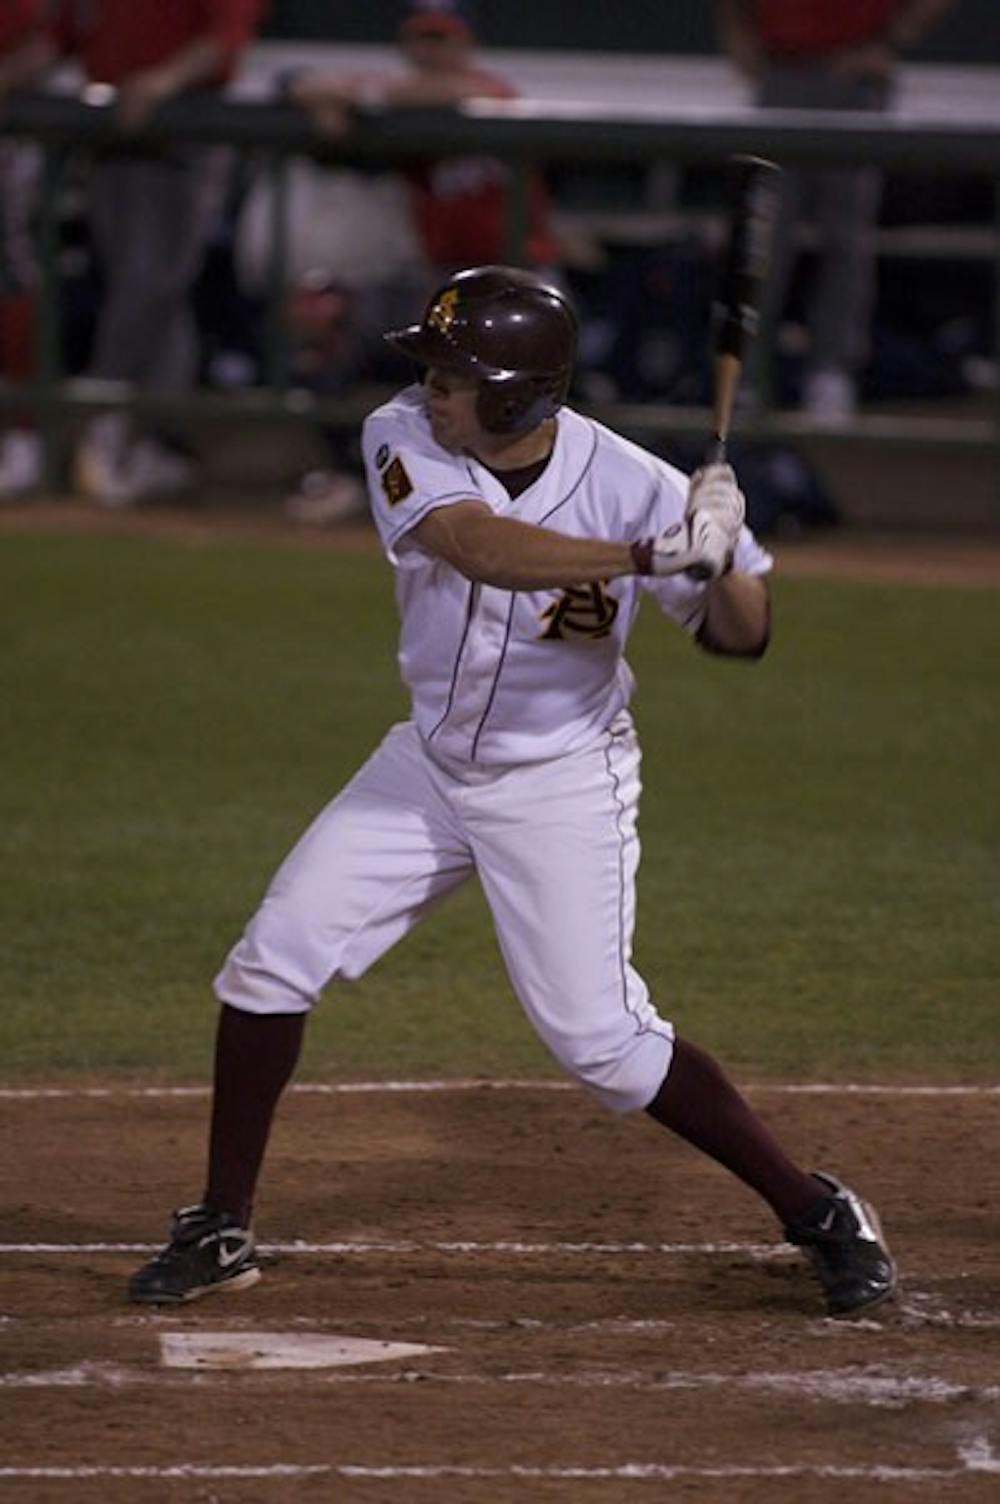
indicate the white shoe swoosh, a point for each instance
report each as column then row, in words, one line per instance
column 231, row 1255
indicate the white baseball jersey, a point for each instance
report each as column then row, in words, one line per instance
column 501, row 676
column 520, row 765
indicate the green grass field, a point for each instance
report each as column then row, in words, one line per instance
column 819, row 889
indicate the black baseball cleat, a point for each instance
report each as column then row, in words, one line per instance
column 843, row 1239
column 207, row 1251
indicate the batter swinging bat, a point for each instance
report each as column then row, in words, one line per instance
column 755, row 204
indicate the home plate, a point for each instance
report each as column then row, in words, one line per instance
column 245, row 1350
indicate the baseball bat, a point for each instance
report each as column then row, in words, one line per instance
column 755, row 204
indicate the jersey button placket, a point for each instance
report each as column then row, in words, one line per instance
column 476, row 677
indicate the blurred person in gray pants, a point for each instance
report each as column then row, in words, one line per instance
column 152, row 208
column 151, row 219
column 25, row 54
column 833, row 56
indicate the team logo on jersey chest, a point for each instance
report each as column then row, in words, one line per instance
column 396, row 484
column 581, row 611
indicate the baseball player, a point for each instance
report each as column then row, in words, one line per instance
column 524, row 537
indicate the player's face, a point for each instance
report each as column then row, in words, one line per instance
column 451, row 408
column 435, row 52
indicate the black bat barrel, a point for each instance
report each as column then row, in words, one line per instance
column 756, row 204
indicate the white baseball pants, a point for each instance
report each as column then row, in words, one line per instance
column 555, row 847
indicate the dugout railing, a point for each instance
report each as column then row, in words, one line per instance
column 521, row 133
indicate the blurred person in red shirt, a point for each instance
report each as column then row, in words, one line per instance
column 152, row 211
column 26, row 53
column 457, row 203
column 827, row 55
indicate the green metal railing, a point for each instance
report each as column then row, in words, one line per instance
column 521, row 133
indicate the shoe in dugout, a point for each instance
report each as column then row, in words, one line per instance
column 326, row 497
column 207, row 1251
column 843, row 1239
column 20, row 463
column 116, row 470
column 100, row 471
column 829, row 396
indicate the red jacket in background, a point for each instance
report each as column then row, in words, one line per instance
column 459, row 202
column 459, row 206
column 115, row 38
column 19, row 20
column 800, row 28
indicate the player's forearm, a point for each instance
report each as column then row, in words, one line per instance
column 200, row 62
column 737, row 616
column 519, row 555
column 317, row 91
column 424, row 89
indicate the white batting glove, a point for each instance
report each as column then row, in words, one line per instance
column 702, row 545
column 715, row 511
column 672, row 552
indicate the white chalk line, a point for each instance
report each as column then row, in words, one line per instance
column 975, row 1457
column 464, row 1084
column 607, row 1325
column 757, row 1251
column 917, row 1311
column 871, row 1388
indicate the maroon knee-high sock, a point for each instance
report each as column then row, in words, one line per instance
column 698, row 1102
column 255, row 1055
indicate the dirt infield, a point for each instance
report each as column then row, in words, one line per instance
column 914, row 557
column 611, row 1316
column 604, row 1315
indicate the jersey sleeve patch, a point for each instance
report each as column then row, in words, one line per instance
column 396, row 483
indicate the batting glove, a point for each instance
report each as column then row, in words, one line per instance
column 702, row 545
column 715, row 511
column 672, row 552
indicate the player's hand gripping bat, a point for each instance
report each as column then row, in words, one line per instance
column 754, row 207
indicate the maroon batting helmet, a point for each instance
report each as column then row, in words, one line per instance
column 507, row 329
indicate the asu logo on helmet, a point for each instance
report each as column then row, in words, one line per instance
column 509, row 330
column 441, row 314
